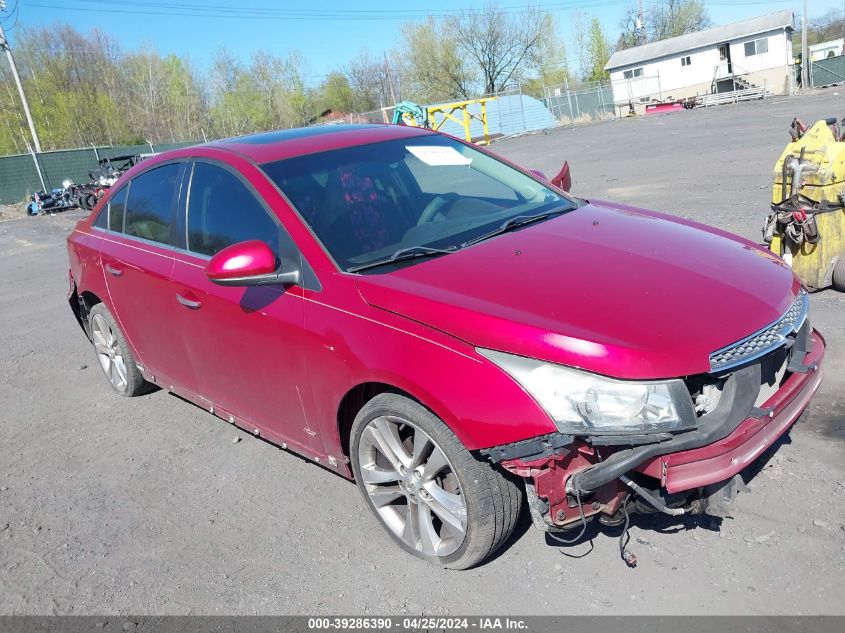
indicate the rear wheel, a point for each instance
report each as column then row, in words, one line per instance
column 431, row 495
column 113, row 354
column 839, row 274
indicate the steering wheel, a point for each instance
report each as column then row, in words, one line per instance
column 437, row 205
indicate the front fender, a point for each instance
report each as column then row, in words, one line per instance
column 482, row 405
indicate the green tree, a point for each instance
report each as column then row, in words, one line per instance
column 553, row 66
column 336, row 94
column 434, row 67
column 598, row 50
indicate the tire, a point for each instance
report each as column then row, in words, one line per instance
column 113, row 354
column 463, row 509
column 839, row 274
column 89, row 202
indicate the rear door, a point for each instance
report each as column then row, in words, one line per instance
column 137, row 258
column 245, row 343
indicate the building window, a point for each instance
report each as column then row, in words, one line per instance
column 685, row 61
column 757, row 47
column 631, row 74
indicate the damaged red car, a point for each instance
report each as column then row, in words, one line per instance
column 461, row 337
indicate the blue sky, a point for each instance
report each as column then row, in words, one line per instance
column 326, row 32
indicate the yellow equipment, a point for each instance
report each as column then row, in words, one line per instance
column 807, row 224
column 435, row 116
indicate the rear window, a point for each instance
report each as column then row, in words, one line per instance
column 151, row 204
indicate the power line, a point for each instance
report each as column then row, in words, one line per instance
column 13, row 13
column 177, row 9
column 253, row 13
column 322, row 12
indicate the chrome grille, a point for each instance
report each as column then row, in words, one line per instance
column 765, row 340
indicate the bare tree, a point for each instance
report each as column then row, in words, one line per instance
column 670, row 18
column 829, row 26
column 631, row 27
column 504, row 46
column 375, row 83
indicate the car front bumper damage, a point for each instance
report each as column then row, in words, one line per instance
column 572, row 477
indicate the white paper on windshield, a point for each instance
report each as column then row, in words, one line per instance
column 438, row 155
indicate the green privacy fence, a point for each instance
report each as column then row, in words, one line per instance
column 828, row 71
column 19, row 174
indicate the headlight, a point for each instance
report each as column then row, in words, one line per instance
column 581, row 403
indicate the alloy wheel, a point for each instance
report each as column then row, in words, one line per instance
column 412, row 485
column 108, row 353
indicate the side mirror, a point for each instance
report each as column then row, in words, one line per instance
column 539, row 174
column 249, row 263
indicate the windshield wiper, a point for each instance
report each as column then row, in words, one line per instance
column 405, row 253
column 515, row 223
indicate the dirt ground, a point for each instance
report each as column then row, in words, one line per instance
column 12, row 211
column 145, row 505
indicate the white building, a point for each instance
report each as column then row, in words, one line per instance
column 833, row 48
column 754, row 52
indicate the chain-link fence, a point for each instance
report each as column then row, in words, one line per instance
column 593, row 101
column 579, row 102
column 509, row 112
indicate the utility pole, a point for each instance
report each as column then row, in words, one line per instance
column 389, row 76
column 4, row 45
column 805, row 57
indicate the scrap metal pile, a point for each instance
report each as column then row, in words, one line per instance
column 71, row 195
column 807, row 224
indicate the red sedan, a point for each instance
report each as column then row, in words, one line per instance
column 450, row 331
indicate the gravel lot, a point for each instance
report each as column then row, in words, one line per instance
column 112, row 505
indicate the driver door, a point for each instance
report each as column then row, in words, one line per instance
column 244, row 343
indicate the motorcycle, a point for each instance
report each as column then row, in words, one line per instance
column 55, row 200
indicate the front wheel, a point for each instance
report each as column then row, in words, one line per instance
column 431, row 495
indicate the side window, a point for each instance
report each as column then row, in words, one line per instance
column 222, row 212
column 151, row 204
column 117, row 204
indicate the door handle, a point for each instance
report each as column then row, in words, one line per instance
column 188, row 303
column 113, row 271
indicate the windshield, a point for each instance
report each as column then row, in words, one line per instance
column 369, row 202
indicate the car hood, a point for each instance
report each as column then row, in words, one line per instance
column 608, row 288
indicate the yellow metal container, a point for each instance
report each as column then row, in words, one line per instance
column 815, row 169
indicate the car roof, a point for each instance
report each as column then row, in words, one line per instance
column 271, row 146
